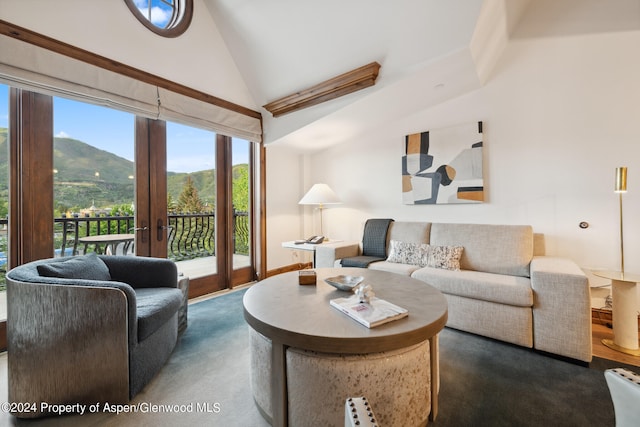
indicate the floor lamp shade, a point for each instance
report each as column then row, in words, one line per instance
column 621, row 180
column 621, row 187
column 320, row 194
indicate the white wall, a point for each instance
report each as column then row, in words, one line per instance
column 285, row 218
column 198, row 59
column 560, row 114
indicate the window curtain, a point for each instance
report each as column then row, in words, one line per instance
column 30, row 67
column 180, row 108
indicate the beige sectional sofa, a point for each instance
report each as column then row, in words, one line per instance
column 505, row 288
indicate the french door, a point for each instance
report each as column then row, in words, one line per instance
column 223, row 233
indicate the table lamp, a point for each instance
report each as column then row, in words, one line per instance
column 320, row 194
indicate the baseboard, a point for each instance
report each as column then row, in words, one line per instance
column 601, row 316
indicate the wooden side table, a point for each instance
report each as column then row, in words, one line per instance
column 625, row 311
column 308, row 247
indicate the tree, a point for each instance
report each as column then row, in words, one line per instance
column 4, row 207
column 171, row 205
column 189, row 201
column 241, row 188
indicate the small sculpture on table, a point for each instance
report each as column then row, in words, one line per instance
column 364, row 293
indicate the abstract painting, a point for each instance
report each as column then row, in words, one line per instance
column 443, row 166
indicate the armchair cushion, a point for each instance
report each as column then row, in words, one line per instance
column 158, row 273
column 374, row 237
column 155, row 307
column 374, row 243
column 88, row 267
column 361, row 261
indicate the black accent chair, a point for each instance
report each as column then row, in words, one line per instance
column 374, row 244
column 88, row 329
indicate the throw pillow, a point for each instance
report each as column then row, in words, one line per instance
column 88, row 267
column 446, row 257
column 408, row 253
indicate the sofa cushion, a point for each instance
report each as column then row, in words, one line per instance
column 393, row 267
column 155, row 307
column 408, row 252
column 409, row 232
column 498, row 288
column 88, row 267
column 500, row 249
column 447, row 257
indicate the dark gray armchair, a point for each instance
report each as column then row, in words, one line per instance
column 89, row 329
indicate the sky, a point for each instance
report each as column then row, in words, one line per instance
column 160, row 12
column 189, row 149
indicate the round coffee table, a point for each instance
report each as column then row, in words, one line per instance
column 298, row 321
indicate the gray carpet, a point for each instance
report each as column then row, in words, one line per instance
column 483, row 382
column 486, row 382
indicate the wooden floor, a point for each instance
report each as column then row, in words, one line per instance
column 600, row 350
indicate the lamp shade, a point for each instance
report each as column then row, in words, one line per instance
column 320, row 194
column 621, row 180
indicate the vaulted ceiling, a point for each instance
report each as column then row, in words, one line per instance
column 285, row 46
column 429, row 50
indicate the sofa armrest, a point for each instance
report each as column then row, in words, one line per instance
column 142, row 272
column 561, row 308
column 328, row 253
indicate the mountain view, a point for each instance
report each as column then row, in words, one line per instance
column 86, row 176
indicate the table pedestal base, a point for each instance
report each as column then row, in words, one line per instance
column 625, row 317
column 397, row 383
column 609, row 343
column 624, row 295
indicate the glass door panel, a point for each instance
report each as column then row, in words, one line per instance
column 191, row 199
column 93, row 179
column 241, row 197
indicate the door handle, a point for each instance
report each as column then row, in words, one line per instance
column 143, row 228
column 161, row 228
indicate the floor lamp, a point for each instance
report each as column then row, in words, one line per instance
column 320, row 194
column 621, row 187
column 624, row 294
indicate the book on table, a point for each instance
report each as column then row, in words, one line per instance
column 372, row 314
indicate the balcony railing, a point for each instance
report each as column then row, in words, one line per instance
column 190, row 235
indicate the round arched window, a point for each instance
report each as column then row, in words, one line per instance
column 168, row 18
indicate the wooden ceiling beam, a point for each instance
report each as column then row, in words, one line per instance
column 346, row 83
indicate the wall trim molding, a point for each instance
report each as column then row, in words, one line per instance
column 23, row 34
